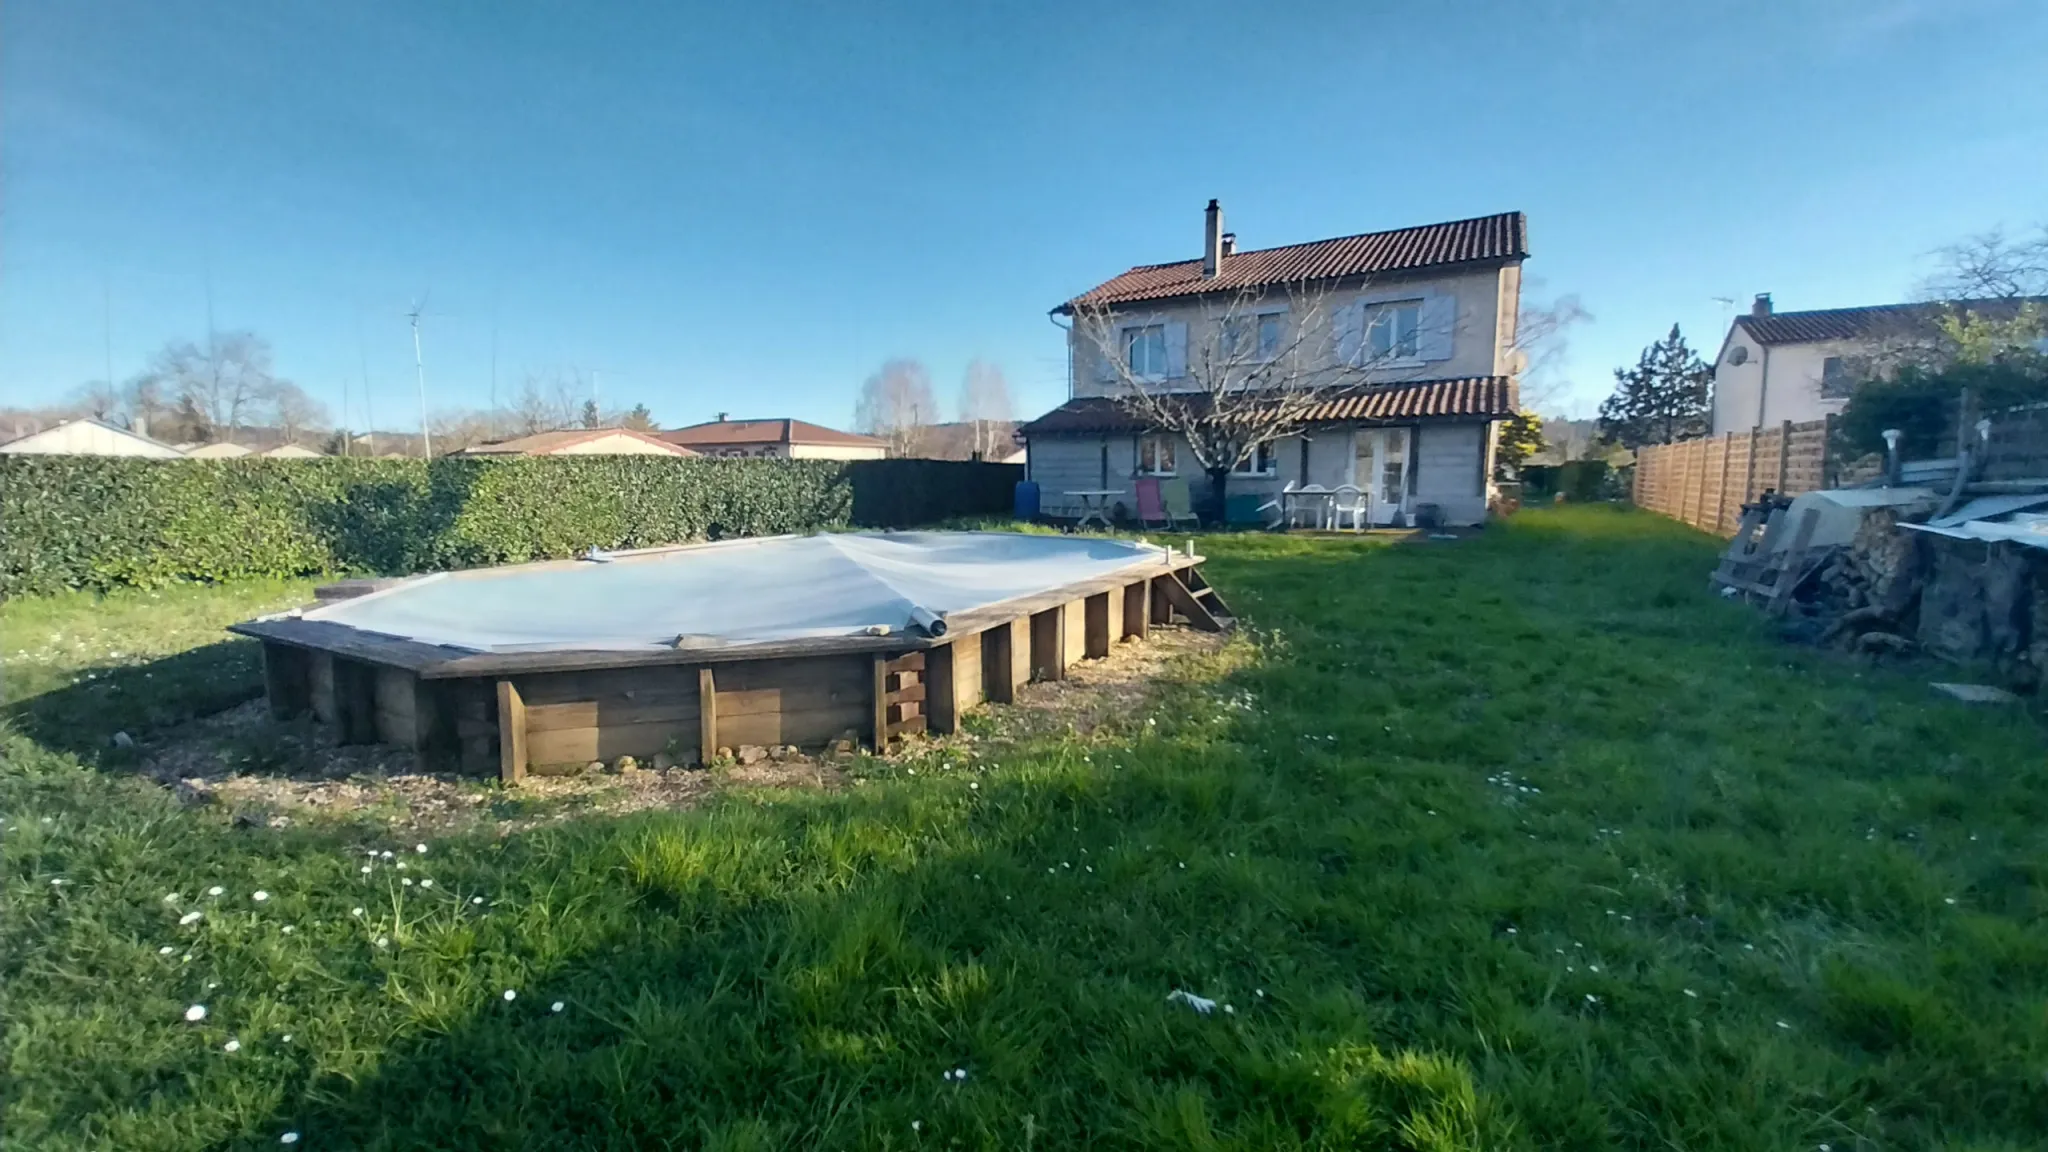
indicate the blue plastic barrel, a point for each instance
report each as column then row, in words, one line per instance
column 1026, row 506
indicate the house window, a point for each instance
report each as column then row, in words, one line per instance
column 1836, row 381
column 1270, row 326
column 1145, row 350
column 1155, row 456
column 1393, row 331
column 1259, row 463
column 1255, row 337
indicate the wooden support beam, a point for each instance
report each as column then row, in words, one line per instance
column 1137, row 611
column 1005, row 660
column 286, row 680
column 1098, row 634
column 1162, row 608
column 707, row 717
column 953, row 681
column 1049, row 644
column 511, row 733
column 355, row 693
column 878, row 728
column 1185, row 601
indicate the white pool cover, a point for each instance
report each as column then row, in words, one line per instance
column 744, row 591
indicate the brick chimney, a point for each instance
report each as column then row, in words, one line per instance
column 1762, row 305
column 1212, row 241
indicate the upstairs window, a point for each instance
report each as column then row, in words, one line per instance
column 1393, row 331
column 1836, row 381
column 1145, row 351
column 1255, row 337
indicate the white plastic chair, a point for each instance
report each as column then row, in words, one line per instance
column 1349, row 500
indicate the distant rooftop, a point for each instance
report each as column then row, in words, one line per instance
column 781, row 430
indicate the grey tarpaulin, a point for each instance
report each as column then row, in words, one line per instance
column 742, row 591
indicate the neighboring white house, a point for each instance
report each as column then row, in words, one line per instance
column 1436, row 305
column 793, row 439
column 580, row 442
column 1801, row 366
column 221, row 450
column 89, row 437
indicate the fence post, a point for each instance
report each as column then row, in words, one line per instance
column 1749, row 480
column 1721, row 489
column 1784, row 455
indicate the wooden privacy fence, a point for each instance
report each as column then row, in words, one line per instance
column 1706, row 482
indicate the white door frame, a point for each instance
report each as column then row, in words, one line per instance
column 1381, row 512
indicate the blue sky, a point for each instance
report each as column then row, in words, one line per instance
column 750, row 207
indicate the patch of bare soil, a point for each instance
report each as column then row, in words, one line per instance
column 273, row 773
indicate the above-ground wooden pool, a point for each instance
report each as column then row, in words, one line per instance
column 790, row 640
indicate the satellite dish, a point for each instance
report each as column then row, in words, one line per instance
column 1739, row 354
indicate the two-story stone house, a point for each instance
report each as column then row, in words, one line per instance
column 1430, row 310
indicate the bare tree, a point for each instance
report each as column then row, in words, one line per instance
column 546, row 403
column 99, row 399
column 1258, row 364
column 147, row 404
column 986, row 409
column 1991, row 266
column 227, row 382
column 1541, row 338
column 296, row 412
column 896, row 404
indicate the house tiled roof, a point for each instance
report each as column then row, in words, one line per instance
column 1496, row 238
column 1875, row 320
column 1464, row 398
column 714, row 433
column 546, row 443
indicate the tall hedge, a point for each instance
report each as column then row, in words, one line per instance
column 99, row 522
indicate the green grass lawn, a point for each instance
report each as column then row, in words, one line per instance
column 1524, row 841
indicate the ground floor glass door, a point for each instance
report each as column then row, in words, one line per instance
column 1381, row 471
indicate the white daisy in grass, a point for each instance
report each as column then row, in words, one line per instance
column 288, row 1138
column 172, row 898
column 385, row 854
column 428, row 883
column 476, row 899
column 190, row 918
column 231, row 1047
column 288, row 929
column 420, row 848
column 511, row 995
column 166, row 950
column 407, row 882
column 366, row 869
column 401, row 865
column 195, row 1013
column 355, row 911
column 216, row 890
column 383, row 941
column 286, row 1038
column 557, row 1006
column 259, row 896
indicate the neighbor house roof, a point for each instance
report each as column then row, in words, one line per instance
column 31, row 442
column 714, row 433
column 1874, row 320
column 548, row 443
column 1467, row 398
column 1488, row 239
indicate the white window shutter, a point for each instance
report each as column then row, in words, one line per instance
column 1438, row 321
column 1348, row 326
column 1176, row 349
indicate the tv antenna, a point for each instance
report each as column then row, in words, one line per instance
column 419, row 371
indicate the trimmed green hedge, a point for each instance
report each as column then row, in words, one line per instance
column 100, row 522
